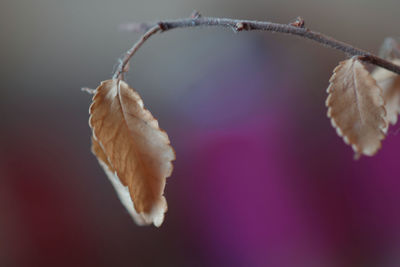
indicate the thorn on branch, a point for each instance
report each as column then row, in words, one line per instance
column 299, row 23
column 195, row 15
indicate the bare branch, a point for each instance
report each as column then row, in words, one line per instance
column 297, row 28
column 123, row 66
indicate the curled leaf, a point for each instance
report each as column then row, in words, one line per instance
column 135, row 154
column 122, row 191
column 390, row 84
column 356, row 107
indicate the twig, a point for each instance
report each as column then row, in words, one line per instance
column 250, row 25
column 123, row 66
column 88, row 90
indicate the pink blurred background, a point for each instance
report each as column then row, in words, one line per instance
column 261, row 178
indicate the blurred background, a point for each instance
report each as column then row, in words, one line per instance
column 261, row 178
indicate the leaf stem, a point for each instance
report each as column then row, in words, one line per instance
column 238, row 25
column 123, row 66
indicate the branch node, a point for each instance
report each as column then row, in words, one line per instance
column 298, row 22
column 367, row 58
column 163, row 26
column 195, row 14
column 242, row 26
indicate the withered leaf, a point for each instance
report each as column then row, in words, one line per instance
column 356, row 107
column 122, row 191
column 135, row 154
column 390, row 84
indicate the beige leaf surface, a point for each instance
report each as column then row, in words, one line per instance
column 356, row 107
column 122, row 191
column 135, row 154
column 390, row 84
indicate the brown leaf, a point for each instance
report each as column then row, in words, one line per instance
column 135, row 154
column 390, row 84
column 122, row 191
column 97, row 150
column 356, row 107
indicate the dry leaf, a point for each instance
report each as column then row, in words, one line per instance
column 135, row 154
column 122, row 191
column 390, row 84
column 356, row 107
